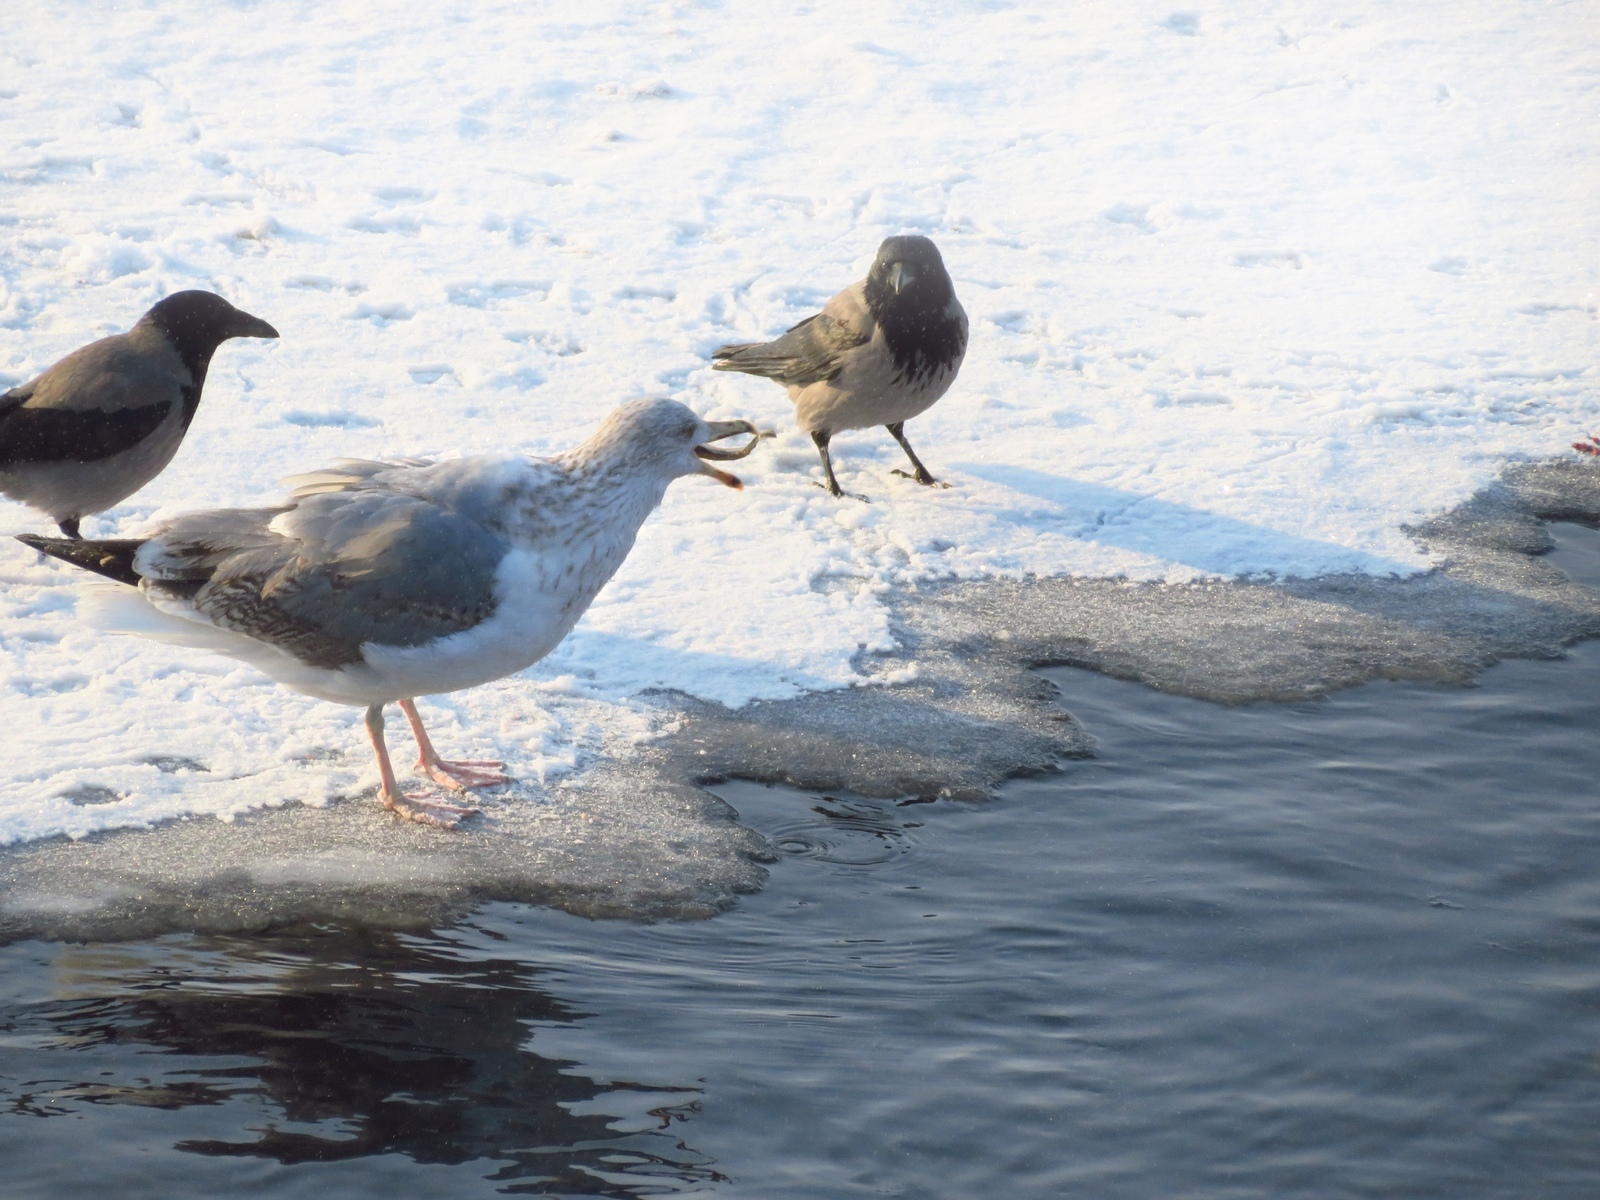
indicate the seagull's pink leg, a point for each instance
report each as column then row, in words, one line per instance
column 459, row 774
column 413, row 806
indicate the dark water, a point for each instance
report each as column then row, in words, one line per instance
column 1333, row 949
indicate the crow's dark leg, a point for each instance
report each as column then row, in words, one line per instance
column 898, row 432
column 70, row 528
column 832, row 486
column 821, row 438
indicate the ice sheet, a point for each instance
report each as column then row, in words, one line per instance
column 1253, row 288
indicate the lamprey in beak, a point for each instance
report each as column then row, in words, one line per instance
column 724, row 429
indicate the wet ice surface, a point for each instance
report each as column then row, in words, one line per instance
column 1344, row 946
column 601, row 850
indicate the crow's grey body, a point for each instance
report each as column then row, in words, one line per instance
column 880, row 352
column 100, row 424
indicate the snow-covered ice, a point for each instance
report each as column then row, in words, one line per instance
column 1253, row 287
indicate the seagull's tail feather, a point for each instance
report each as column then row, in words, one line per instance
column 121, row 610
column 113, row 608
column 118, row 610
column 112, row 558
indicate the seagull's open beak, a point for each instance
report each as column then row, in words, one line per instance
column 899, row 276
column 718, row 431
column 247, row 326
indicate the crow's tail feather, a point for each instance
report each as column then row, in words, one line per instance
column 752, row 358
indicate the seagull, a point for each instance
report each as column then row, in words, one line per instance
column 105, row 420
column 378, row 582
column 879, row 353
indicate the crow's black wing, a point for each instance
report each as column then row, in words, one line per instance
column 98, row 401
column 52, row 435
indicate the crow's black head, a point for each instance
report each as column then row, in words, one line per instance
column 196, row 323
column 909, row 268
column 909, row 293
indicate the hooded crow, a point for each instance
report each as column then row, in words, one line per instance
column 881, row 352
column 103, row 422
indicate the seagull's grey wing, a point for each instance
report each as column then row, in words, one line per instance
column 334, row 572
column 810, row 352
column 96, row 402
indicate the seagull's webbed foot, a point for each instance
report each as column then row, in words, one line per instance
column 458, row 775
column 413, row 806
column 424, row 809
column 461, row 774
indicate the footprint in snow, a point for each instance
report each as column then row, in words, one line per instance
column 477, row 293
column 328, row 420
column 433, row 373
column 380, row 314
column 1269, row 258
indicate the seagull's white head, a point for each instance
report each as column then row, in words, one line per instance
column 662, row 436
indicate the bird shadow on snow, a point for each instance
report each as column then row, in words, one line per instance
column 634, row 666
column 1176, row 533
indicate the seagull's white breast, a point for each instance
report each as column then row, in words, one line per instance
column 541, row 594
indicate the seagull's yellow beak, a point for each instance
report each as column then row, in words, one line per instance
column 718, row 431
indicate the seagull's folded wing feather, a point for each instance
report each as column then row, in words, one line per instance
column 347, row 474
column 323, row 578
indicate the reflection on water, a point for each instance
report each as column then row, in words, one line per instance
column 331, row 1044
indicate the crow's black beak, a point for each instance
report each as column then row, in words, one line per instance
column 244, row 325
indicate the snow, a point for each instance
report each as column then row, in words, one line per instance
column 1252, row 288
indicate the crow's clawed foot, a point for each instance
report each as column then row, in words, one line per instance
column 840, row 493
column 461, row 774
column 924, row 478
column 1592, row 446
column 425, row 810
